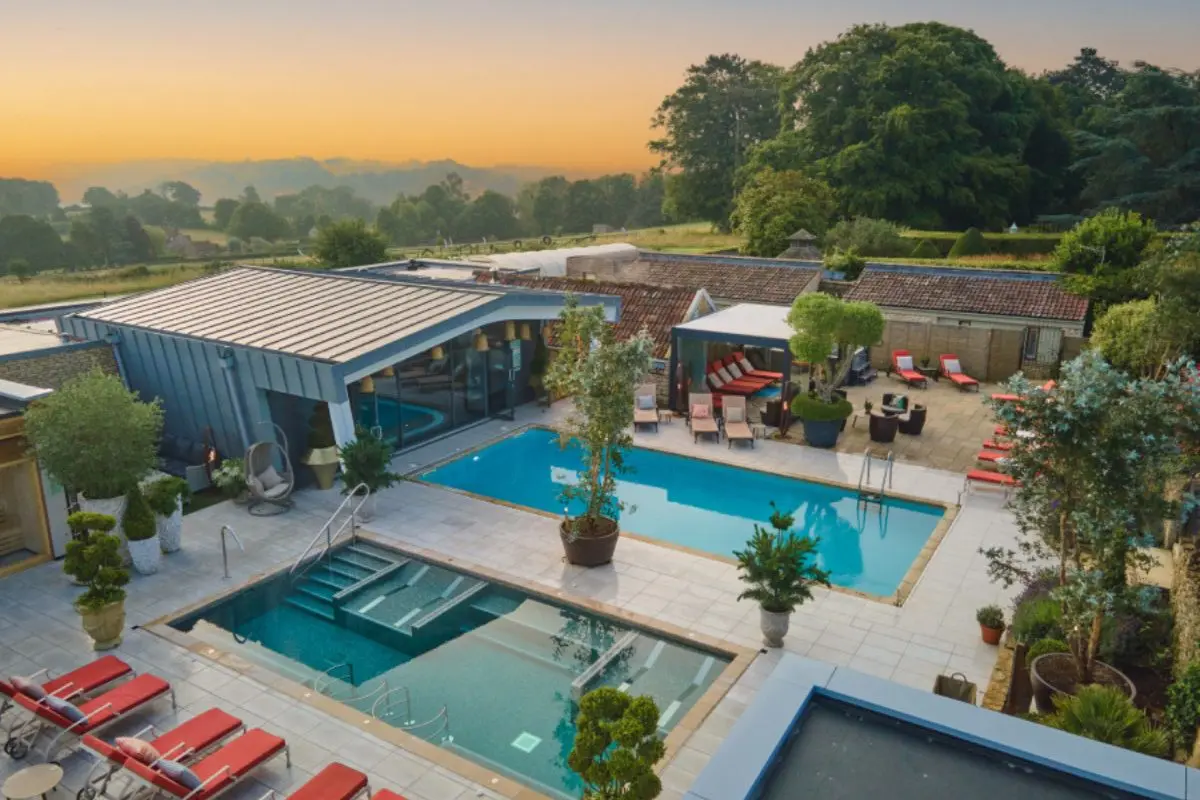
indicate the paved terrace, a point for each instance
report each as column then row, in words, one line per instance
column 934, row 632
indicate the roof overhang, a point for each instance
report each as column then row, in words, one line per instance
column 746, row 323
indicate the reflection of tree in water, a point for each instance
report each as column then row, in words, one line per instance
column 582, row 639
column 841, row 541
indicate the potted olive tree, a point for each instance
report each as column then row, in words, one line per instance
column 600, row 374
column 824, row 324
column 617, row 746
column 167, row 496
column 141, row 533
column 779, row 570
column 322, row 455
column 97, row 438
column 94, row 560
column 365, row 461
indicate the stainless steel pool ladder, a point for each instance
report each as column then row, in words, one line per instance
column 328, row 533
column 225, row 550
column 323, row 684
column 865, row 492
column 385, row 708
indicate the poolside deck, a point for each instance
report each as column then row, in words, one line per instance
column 933, row 632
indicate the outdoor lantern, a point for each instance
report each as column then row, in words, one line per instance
column 510, row 331
column 526, row 335
column 437, row 353
column 481, row 341
column 387, row 372
column 367, row 385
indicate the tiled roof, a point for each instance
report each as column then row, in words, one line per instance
column 1039, row 296
column 744, row 280
column 655, row 308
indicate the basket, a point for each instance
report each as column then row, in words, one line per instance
column 956, row 687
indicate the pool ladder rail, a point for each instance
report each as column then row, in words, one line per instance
column 866, row 493
column 327, row 530
column 385, row 708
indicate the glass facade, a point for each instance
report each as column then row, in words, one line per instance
column 440, row 389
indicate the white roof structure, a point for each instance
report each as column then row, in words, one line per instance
column 548, row 263
column 745, row 321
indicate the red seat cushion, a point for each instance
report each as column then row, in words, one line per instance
column 198, row 733
column 986, row 476
column 335, row 782
column 122, row 699
column 89, row 677
column 386, row 794
column 240, row 756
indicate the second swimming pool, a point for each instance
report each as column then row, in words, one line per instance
column 703, row 505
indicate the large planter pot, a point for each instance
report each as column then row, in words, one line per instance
column 822, row 433
column 1053, row 674
column 774, row 626
column 113, row 507
column 104, row 625
column 990, row 635
column 591, row 550
column 323, row 461
column 170, row 529
column 366, row 512
column 146, row 555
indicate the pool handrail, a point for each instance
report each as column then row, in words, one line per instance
column 327, row 528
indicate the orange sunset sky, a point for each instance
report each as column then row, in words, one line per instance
column 564, row 84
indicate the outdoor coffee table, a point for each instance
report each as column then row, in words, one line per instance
column 31, row 782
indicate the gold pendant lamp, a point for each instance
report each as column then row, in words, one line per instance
column 510, row 331
column 367, row 385
column 526, row 334
column 387, row 372
column 481, row 341
column 437, row 353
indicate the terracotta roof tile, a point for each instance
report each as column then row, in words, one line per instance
column 969, row 292
column 743, row 280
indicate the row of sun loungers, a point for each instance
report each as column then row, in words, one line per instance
column 702, row 419
column 200, row 759
column 949, row 366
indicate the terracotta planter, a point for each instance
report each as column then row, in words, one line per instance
column 774, row 625
column 104, row 625
column 1045, row 669
column 170, row 529
column 590, row 551
column 822, row 433
column 990, row 635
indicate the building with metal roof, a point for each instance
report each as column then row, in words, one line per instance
column 232, row 354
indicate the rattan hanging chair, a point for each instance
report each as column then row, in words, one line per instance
column 269, row 475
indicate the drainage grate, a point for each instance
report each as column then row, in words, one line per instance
column 526, row 742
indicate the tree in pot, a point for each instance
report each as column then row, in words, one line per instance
column 824, row 324
column 991, row 623
column 167, row 496
column 322, row 455
column 617, row 746
column 94, row 560
column 97, row 438
column 365, row 461
column 141, row 533
column 601, row 374
column 779, row 567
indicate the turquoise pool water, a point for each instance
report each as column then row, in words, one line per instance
column 417, row 420
column 708, row 506
column 486, row 671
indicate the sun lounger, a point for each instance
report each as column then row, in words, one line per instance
column 992, row 444
column 737, row 425
column 749, row 369
column 645, row 406
column 1012, row 398
column 70, row 722
column 385, row 794
column 80, row 681
column 733, row 375
column 990, row 477
column 701, row 420
column 216, row 773
column 902, row 365
column 721, row 381
column 184, row 743
column 952, row 369
column 335, row 782
column 991, row 456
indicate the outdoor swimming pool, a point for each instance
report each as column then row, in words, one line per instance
column 486, row 671
column 708, row 506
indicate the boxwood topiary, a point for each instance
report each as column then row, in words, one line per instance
column 971, row 243
column 926, row 249
column 814, row 409
column 138, row 522
column 1044, row 646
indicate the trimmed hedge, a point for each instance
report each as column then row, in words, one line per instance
column 971, row 243
column 814, row 409
column 926, row 249
column 1010, row 244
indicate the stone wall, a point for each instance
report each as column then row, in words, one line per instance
column 985, row 354
column 50, row 369
column 1185, row 602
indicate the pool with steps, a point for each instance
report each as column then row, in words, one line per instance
column 492, row 673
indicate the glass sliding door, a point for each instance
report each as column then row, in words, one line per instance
column 425, row 405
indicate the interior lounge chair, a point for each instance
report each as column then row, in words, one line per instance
column 1012, row 398
column 902, row 365
column 335, row 782
column 214, row 774
column 701, row 420
column 749, row 369
column 184, row 743
column 69, row 723
column 79, row 681
column 952, row 369
column 737, row 425
column 645, row 406
column 737, row 375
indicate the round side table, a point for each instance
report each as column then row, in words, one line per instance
column 31, row 782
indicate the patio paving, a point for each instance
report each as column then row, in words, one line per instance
column 934, row 632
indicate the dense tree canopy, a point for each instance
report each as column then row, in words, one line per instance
column 257, row 219
column 181, row 192
column 223, row 212
column 1101, row 253
column 31, row 198
column 101, row 238
column 350, row 243
column 774, row 205
column 31, row 241
column 151, row 208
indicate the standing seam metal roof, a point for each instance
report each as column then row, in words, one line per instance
column 322, row 316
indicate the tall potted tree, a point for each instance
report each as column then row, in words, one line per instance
column 601, row 375
column 617, row 746
column 779, row 569
column 365, row 461
column 97, row 438
column 322, row 455
column 824, row 324
column 94, row 560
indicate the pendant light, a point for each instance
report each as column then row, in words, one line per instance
column 387, row 372
column 437, row 353
column 367, row 385
column 510, row 331
column 481, row 341
column 526, row 334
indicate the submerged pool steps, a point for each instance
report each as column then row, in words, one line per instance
column 347, row 570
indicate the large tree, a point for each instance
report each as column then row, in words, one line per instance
column 32, row 198
column 32, row 241
column 491, row 215
column 921, row 124
column 726, row 106
column 1089, row 80
column 181, row 192
column 774, row 205
column 350, row 243
column 223, row 212
column 257, row 219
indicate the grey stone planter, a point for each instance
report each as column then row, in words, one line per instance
column 170, row 529
column 774, row 626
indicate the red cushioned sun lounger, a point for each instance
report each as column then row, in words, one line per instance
column 79, row 681
column 991, row 456
column 992, row 444
column 384, row 794
column 335, row 782
column 987, row 476
column 747, row 372
column 952, row 369
column 1012, row 398
column 747, row 381
column 749, row 369
column 907, row 373
column 219, row 772
column 719, row 386
column 184, row 743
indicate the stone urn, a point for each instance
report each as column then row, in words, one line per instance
column 146, row 554
column 104, row 624
column 113, row 507
column 774, row 626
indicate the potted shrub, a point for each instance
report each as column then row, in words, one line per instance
column 601, row 374
column 779, row 567
column 94, row 560
column 991, row 623
column 616, row 746
column 166, row 497
column 97, row 438
column 1108, row 715
column 322, row 455
column 230, row 478
column 141, row 533
column 365, row 461
column 824, row 324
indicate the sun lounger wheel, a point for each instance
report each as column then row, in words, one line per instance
column 86, row 793
column 16, row 749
